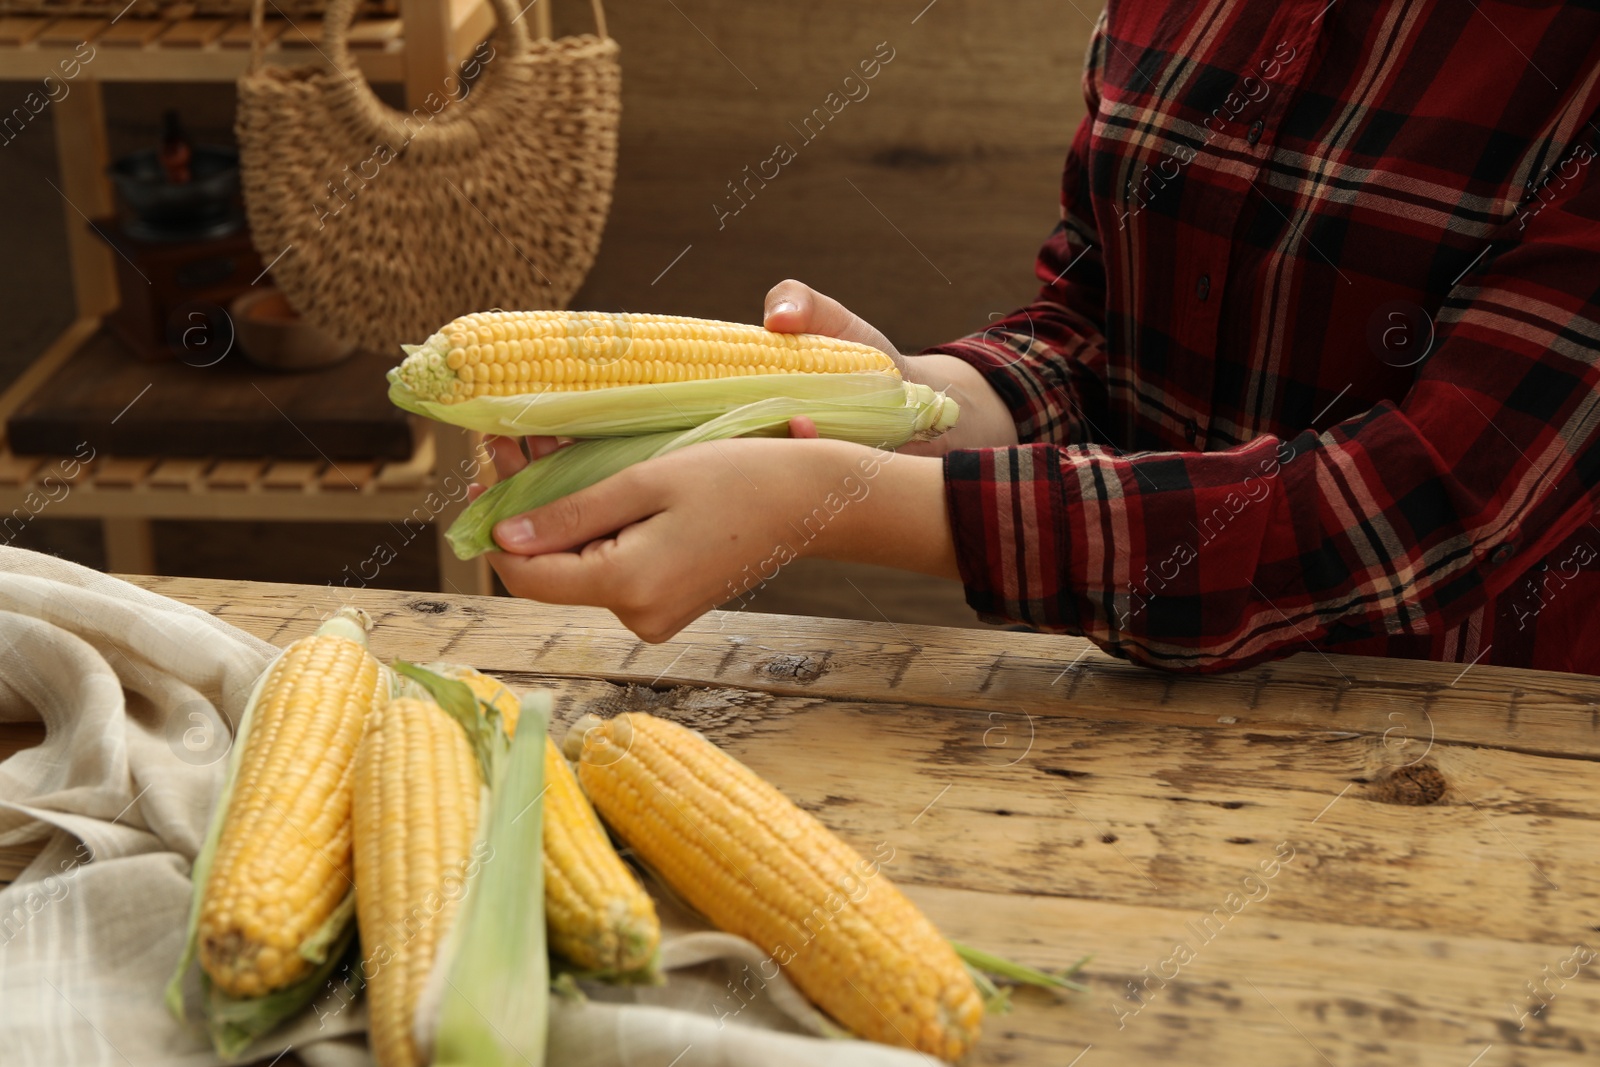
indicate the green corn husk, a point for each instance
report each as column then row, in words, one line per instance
column 631, row 410
column 1020, row 973
column 487, row 999
column 921, row 414
column 234, row 1023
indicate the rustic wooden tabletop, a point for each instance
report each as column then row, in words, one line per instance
column 1324, row 861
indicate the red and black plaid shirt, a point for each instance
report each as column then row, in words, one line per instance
column 1316, row 359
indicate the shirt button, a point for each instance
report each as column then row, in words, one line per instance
column 1203, row 288
column 1192, row 429
column 1255, row 131
column 1503, row 553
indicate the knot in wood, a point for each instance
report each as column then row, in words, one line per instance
column 1415, row 785
column 799, row 668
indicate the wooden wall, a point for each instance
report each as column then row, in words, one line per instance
column 920, row 205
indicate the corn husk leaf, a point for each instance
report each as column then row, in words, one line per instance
column 234, row 1024
column 881, row 421
column 487, row 999
column 631, row 410
column 988, row 963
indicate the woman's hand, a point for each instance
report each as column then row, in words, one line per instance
column 664, row 541
column 794, row 307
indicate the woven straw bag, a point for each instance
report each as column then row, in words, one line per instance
column 381, row 226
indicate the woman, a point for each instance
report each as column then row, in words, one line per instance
column 1314, row 365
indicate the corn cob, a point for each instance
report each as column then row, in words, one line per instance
column 598, row 914
column 511, row 353
column 759, row 867
column 490, row 691
column 282, row 863
column 417, row 794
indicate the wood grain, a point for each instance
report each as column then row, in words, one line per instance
column 1284, row 865
column 82, row 155
column 73, row 31
column 193, row 33
column 238, row 35
column 18, row 31
column 1035, row 674
column 131, row 33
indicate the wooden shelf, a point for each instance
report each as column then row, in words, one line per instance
column 210, row 49
column 150, row 487
column 157, row 487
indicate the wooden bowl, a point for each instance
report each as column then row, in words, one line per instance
column 273, row 335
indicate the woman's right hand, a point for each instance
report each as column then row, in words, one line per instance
column 794, row 307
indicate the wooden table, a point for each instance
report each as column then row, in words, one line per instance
column 1433, row 829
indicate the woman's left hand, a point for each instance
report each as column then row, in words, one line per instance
column 667, row 540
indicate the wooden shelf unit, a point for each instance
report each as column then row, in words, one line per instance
column 421, row 50
column 210, row 49
column 127, row 492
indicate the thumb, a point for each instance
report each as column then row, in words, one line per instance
column 795, row 307
column 578, row 518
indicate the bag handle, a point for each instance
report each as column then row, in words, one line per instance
column 341, row 13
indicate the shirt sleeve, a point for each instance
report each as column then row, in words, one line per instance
column 1047, row 360
column 1398, row 521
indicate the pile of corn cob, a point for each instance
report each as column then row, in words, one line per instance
column 354, row 798
column 652, row 384
column 430, row 809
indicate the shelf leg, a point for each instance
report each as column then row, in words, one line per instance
column 82, row 156
column 460, row 457
column 429, row 57
column 129, row 548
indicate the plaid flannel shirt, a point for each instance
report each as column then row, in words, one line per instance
column 1314, row 364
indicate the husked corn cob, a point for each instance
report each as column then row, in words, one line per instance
column 417, row 796
column 759, row 867
column 511, row 353
column 282, row 862
column 598, row 914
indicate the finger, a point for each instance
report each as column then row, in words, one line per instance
column 580, row 517
column 540, row 447
column 587, row 577
column 474, row 491
column 599, row 575
column 558, row 578
column 801, row 426
column 795, row 307
column 508, row 458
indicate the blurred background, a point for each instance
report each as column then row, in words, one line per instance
column 920, row 206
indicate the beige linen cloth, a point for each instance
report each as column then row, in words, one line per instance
column 138, row 694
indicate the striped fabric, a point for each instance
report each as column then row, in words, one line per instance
column 1314, row 364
